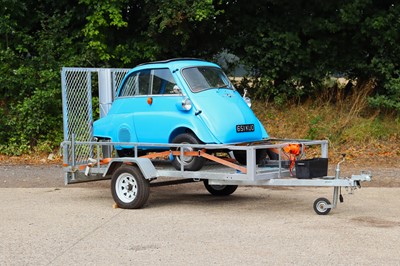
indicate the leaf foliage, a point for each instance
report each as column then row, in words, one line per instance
column 290, row 49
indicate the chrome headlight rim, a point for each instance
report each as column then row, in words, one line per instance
column 186, row 104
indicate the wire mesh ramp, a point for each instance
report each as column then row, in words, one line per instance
column 132, row 177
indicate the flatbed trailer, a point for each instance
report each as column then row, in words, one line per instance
column 87, row 160
column 132, row 177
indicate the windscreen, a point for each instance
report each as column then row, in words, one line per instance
column 204, row 78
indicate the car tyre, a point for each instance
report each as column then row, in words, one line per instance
column 129, row 153
column 190, row 163
column 241, row 157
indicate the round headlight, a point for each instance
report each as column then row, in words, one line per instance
column 187, row 104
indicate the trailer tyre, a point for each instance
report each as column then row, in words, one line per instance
column 129, row 188
column 220, row 190
column 191, row 163
column 321, row 206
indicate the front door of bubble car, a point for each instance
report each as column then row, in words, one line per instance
column 153, row 104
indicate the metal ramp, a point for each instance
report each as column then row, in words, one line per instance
column 87, row 94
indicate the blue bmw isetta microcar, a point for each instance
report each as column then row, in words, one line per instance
column 179, row 101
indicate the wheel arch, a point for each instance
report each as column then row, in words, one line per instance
column 178, row 131
column 144, row 164
column 204, row 137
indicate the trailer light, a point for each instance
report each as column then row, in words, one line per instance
column 150, row 100
column 187, row 104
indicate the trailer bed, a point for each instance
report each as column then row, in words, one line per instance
column 221, row 176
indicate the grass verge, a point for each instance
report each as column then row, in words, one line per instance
column 358, row 135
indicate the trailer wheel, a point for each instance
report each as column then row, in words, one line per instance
column 321, row 206
column 191, row 163
column 220, row 190
column 129, row 188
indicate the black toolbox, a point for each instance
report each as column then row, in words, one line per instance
column 310, row 168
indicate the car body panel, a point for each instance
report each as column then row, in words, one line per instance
column 156, row 117
column 222, row 111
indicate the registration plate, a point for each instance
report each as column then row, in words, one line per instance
column 245, row 128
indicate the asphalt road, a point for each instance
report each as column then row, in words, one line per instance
column 44, row 222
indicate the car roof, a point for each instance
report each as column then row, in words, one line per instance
column 175, row 63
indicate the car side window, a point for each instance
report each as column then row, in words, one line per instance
column 149, row 82
column 163, row 81
column 131, row 86
column 144, row 82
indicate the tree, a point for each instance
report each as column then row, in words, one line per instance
column 40, row 37
column 293, row 45
column 131, row 32
column 289, row 46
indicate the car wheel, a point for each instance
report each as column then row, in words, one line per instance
column 130, row 153
column 241, row 157
column 190, row 163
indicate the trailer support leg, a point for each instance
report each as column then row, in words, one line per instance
column 335, row 197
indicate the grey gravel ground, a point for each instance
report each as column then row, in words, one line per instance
column 39, row 176
column 44, row 222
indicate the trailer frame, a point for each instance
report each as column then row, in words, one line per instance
column 219, row 178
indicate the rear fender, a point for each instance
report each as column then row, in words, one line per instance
column 146, row 167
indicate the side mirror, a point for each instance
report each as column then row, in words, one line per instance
column 246, row 99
